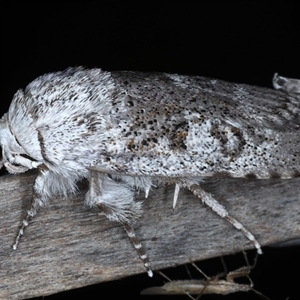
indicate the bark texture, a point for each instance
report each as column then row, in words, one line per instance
column 68, row 245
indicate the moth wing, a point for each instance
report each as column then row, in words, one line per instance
column 240, row 105
column 172, row 125
column 151, row 124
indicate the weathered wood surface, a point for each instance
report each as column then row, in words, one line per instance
column 68, row 245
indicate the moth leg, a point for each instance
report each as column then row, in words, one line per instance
column 138, row 247
column 36, row 201
column 115, row 199
column 176, row 193
column 219, row 209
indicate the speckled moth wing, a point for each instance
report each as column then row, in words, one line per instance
column 238, row 104
column 144, row 124
column 173, row 125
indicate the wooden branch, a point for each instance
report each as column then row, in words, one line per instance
column 68, row 245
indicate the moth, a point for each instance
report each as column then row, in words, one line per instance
column 127, row 131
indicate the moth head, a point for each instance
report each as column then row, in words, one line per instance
column 14, row 157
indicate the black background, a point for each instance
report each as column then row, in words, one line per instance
column 240, row 41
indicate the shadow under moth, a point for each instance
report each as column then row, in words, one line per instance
column 126, row 131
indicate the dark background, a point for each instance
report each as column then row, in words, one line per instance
column 240, row 41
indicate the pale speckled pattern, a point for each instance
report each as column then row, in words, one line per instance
column 125, row 130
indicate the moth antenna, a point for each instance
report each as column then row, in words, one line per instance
column 138, row 247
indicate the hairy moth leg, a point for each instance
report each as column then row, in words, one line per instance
column 115, row 199
column 37, row 200
column 219, row 209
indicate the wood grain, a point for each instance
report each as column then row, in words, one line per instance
column 68, row 245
